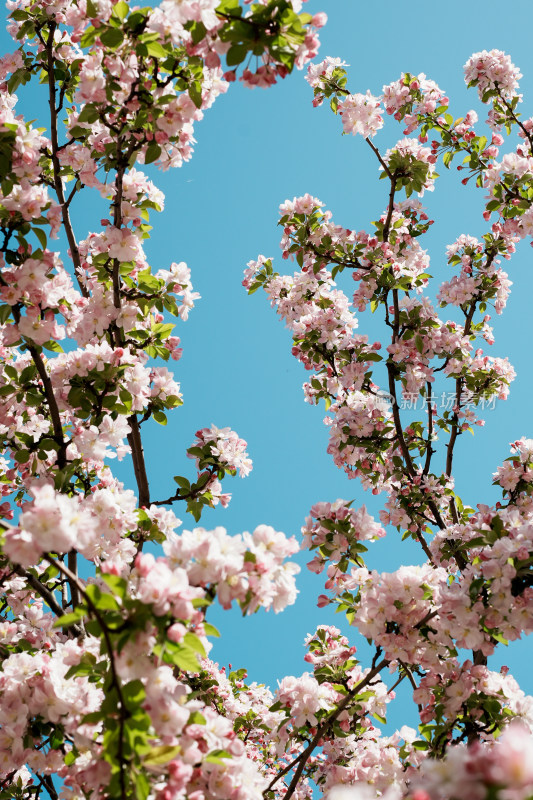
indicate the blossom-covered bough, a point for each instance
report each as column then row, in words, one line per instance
column 105, row 688
column 395, row 414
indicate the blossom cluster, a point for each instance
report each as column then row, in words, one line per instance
column 474, row 590
column 248, row 569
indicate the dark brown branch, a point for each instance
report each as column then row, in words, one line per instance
column 380, row 159
column 459, row 383
column 46, row 781
column 52, row 404
column 420, row 536
column 390, row 208
column 7, row 779
column 46, row 595
column 527, row 134
column 58, row 182
column 117, row 222
column 139, row 464
column 41, row 590
column 429, row 449
column 134, row 437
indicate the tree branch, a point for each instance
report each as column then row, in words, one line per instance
column 58, row 182
column 46, row 595
column 304, row 756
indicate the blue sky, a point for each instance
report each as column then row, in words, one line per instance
column 255, row 149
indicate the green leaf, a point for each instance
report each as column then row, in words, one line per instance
column 57, row 737
column 5, row 313
column 88, row 114
column 52, row 346
column 193, row 508
column 182, row 657
column 195, row 93
column 160, row 417
column 112, row 38
column 236, row 54
column 7, row 143
column 120, row 10
column 142, row 786
column 107, row 602
column 41, row 235
column 196, row 718
column 198, row 32
column 192, row 641
column 183, row 483
column 133, row 693
column 217, row 756
column 70, row 619
column 500, row 638
column 156, row 50
column 84, row 667
column 420, row 745
column 89, row 37
column 77, row 132
column 137, row 18
column 153, row 151
column 117, row 584
column 158, row 756
column 70, row 758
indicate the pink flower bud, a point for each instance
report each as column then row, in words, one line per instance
column 319, row 20
column 144, row 563
column 176, row 632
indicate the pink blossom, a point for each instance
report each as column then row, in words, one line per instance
column 360, row 114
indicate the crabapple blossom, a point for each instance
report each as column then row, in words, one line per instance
column 492, row 70
column 245, row 568
column 360, row 114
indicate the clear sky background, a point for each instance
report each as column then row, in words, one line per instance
column 255, row 149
